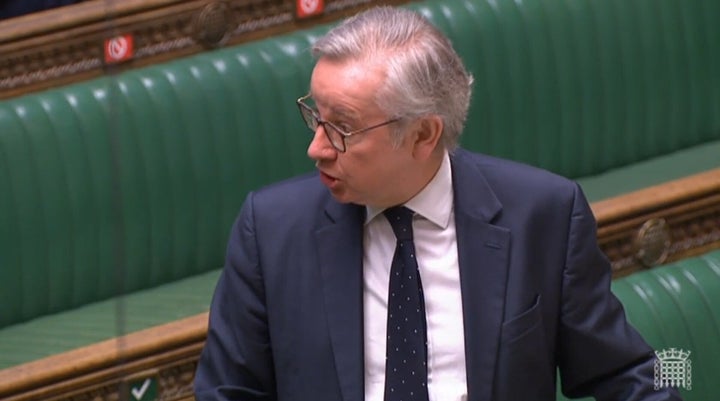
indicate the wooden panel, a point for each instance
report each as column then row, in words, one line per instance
column 68, row 44
column 168, row 354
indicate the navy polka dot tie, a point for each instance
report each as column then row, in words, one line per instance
column 406, row 360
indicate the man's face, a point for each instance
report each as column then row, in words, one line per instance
column 373, row 170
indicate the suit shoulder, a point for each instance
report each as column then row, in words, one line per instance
column 517, row 177
column 294, row 192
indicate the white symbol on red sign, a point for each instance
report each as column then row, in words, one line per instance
column 309, row 7
column 118, row 48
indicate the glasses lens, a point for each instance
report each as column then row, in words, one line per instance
column 309, row 118
column 335, row 137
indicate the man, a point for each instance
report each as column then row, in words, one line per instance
column 408, row 269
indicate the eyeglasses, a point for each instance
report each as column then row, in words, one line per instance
column 335, row 134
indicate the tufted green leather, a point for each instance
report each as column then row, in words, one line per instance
column 130, row 181
column 580, row 87
column 678, row 306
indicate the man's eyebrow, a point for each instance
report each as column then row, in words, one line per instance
column 342, row 112
column 338, row 110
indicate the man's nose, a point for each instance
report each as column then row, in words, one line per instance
column 320, row 147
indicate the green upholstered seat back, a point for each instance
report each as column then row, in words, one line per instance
column 130, row 181
column 580, row 87
column 678, row 306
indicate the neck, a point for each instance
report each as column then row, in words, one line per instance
column 421, row 176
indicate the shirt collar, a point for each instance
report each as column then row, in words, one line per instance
column 434, row 202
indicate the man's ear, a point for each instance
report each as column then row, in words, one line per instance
column 427, row 136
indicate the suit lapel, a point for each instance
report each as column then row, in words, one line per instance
column 483, row 259
column 339, row 241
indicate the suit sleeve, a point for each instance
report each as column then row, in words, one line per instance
column 236, row 362
column 600, row 353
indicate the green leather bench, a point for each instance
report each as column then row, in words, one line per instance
column 117, row 194
column 678, row 306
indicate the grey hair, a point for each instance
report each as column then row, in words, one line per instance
column 424, row 76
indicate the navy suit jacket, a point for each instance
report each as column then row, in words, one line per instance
column 286, row 321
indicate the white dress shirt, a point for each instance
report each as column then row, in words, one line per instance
column 437, row 257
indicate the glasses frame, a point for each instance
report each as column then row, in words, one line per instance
column 317, row 121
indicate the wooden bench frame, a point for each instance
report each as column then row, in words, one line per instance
column 661, row 223
column 685, row 215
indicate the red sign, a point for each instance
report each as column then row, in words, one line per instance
column 308, row 8
column 118, row 49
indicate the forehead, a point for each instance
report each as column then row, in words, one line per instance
column 348, row 84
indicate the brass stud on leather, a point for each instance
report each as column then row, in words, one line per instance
column 652, row 242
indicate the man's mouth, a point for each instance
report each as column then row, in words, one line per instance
column 328, row 180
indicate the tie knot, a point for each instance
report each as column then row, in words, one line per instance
column 400, row 219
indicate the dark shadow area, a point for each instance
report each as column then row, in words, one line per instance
column 16, row 8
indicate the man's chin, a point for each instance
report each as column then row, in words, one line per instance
column 340, row 197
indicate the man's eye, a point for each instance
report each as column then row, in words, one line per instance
column 345, row 127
